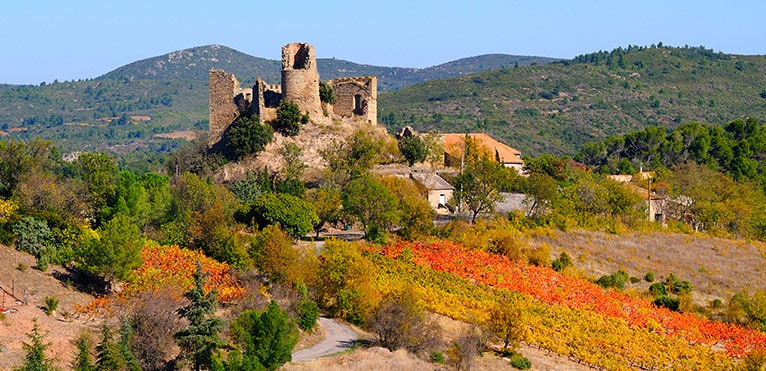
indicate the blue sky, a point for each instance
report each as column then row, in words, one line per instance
column 69, row 40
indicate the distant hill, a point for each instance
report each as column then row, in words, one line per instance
column 557, row 107
column 134, row 107
column 193, row 65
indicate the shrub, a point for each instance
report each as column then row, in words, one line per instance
column 413, row 149
column 51, row 304
column 562, row 262
column 294, row 214
column 658, row 289
column 325, row 93
column 667, row 301
column 520, row 362
column 437, row 357
column 34, row 237
column 289, row 118
column 540, row 256
column 616, row 279
column 248, row 136
column 649, row 277
column 308, row 313
column 677, row 286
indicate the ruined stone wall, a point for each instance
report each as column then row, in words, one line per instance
column 266, row 97
column 227, row 103
column 300, row 78
column 356, row 96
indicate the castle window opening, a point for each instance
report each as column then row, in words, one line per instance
column 358, row 104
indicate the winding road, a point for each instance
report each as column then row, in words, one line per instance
column 338, row 338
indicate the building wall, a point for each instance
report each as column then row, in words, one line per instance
column 227, row 102
column 300, row 78
column 356, row 96
column 433, row 199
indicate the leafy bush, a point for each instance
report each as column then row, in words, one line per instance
column 616, row 279
column 51, row 304
column 264, row 339
column 293, row 214
column 325, row 93
column 308, row 314
column 649, row 277
column 248, row 136
column 520, row 362
column 413, row 149
column 289, row 118
column 562, row 262
column 667, row 301
column 658, row 289
column 677, row 286
column 437, row 357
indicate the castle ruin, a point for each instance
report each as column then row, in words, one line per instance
column 355, row 97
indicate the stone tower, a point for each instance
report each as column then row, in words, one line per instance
column 300, row 78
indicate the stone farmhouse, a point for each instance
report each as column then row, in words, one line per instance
column 355, row 97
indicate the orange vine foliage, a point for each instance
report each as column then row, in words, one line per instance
column 172, row 267
column 553, row 288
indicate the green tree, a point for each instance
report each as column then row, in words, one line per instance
column 290, row 118
column 99, row 172
column 199, row 342
column 248, row 136
column 83, row 360
column 415, row 213
column 108, row 356
column 35, row 359
column 477, row 185
column 327, row 205
column 123, row 344
column 292, row 170
column 367, row 199
column 265, row 338
column 351, row 158
column 293, row 214
column 413, row 148
column 115, row 252
column 34, row 237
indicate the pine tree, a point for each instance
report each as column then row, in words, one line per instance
column 108, row 352
column 83, row 361
column 124, row 346
column 199, row 342
column 35, row 359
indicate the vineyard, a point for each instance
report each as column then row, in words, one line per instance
column 171, row 267
column 568, row 316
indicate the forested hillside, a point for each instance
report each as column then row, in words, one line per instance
column 557, row 107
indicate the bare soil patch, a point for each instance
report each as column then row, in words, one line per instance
column 62, row 327
column 716, row 267
column 189, row 135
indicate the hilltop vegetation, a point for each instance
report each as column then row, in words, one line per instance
column 556, row 108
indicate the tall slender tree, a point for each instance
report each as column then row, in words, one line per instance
column 199, row 342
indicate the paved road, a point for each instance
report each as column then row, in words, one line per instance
column 338, row 337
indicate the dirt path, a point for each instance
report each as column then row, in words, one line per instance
column 339, row 337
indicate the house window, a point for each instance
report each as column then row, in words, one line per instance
column 442, row 199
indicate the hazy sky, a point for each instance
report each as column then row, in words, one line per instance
column 69, row 40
